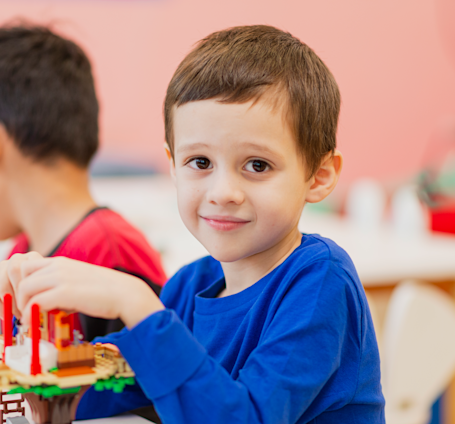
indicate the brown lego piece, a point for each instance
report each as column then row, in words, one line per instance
column 89, row 363
column 76, row 400
column 39, row 408
column 57, row 410
column 76, row 356
column 67, row 372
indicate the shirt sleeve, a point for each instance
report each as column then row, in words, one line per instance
column 106, row 403
column 298, row 356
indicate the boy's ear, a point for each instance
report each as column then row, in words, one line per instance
column 171, row 161
column 326, row 177
column 168, row 151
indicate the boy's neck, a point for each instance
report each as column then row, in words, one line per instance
column 241, row 274
column 50, row 201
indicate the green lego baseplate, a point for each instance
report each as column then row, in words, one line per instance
column 116, row 384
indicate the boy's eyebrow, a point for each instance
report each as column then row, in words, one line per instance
column 190, row 147
column 264, row 149
column 248, row 144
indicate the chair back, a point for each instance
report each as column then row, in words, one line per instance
column 418, row 351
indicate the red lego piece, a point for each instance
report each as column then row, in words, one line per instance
column 7, row 322
column 35, row 366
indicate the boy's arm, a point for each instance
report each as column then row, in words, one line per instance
column 70, row 285
column 297, row 359
column 298, row 356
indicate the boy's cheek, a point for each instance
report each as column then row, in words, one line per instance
column 188, row 205
column 189, row 192
column 282, row 210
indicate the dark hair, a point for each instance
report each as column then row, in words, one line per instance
column 48, row 103
column 241, row 63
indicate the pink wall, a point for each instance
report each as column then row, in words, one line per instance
column 394, row 61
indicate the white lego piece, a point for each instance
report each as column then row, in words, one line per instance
column 19, row 357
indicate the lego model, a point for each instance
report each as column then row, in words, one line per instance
column 51, row 367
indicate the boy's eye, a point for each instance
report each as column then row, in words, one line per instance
column 257, row 166
column 200, row 163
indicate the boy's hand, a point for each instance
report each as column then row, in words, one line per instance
column 69, row 285
column 11, row 271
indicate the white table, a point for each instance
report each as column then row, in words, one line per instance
column 383, row 257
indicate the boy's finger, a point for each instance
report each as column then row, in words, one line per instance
column 31, row 286
column 16, row 311
column 33, row 265
column 47, row 301
column 4, row 277
column 14, row 266
column 5, row 287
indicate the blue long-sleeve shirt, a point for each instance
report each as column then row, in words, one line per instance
column 296, row 347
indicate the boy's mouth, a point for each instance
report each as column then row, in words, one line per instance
column 224, row 223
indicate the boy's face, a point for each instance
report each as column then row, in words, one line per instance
column 240, row 179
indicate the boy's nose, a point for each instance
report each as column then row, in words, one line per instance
column 225, row 189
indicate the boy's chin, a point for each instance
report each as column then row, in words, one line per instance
column 226, row 255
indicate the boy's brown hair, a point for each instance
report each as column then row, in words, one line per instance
column 242, row 63
column 48, row 103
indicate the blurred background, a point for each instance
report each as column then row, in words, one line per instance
column 394, row 209
column 394, row 62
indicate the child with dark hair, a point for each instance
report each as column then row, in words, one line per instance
column 48, row 136
column 274, row 326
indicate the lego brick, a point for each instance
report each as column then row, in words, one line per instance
column 66, row 372
column 76, row 364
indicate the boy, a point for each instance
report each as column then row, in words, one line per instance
column 48, row 136
column 274, row 327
